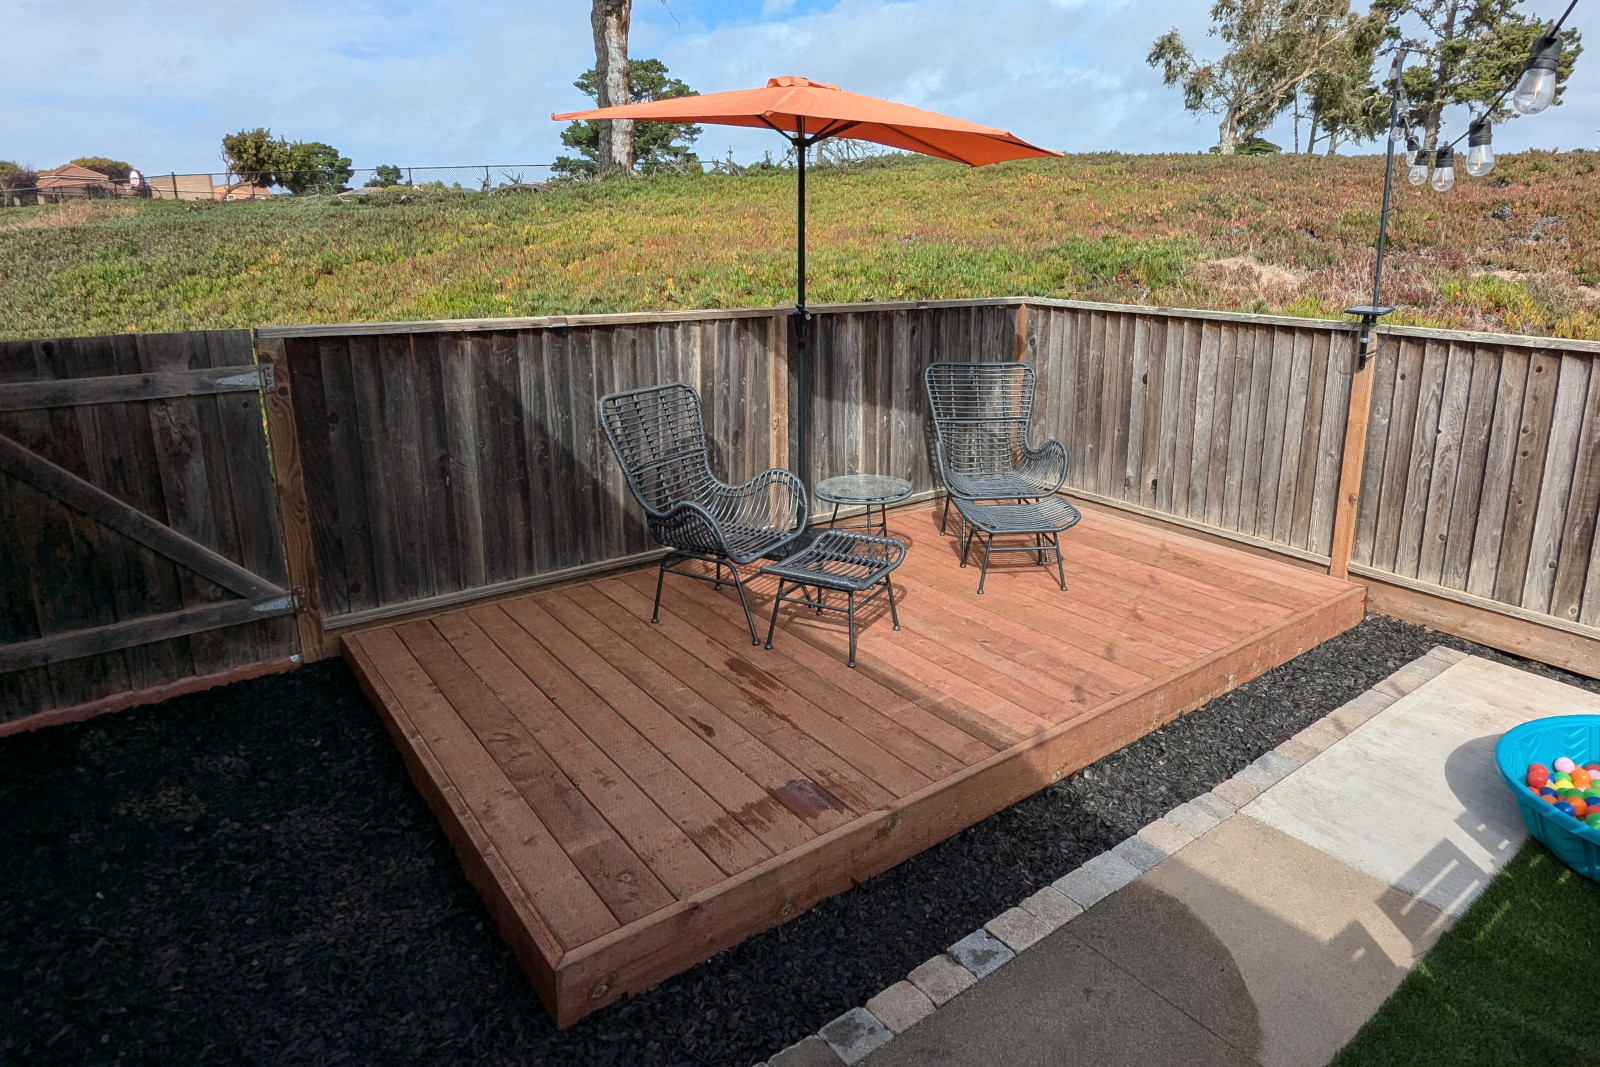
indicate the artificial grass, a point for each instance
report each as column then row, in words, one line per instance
column 1508, row 984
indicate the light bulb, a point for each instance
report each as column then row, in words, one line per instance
column 1413, row 150
column 1480, row 153
column 1419, row 173
column 1537, row 89
column 1444, row 171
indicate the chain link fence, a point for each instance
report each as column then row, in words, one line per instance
column 26, row 188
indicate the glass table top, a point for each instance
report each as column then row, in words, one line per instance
column 863, row 489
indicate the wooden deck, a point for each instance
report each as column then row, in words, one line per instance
column 630, row 799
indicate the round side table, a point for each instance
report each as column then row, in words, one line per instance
column 864, row 490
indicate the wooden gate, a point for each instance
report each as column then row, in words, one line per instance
column 140, row 548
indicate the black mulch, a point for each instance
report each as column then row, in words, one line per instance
column 247, row 876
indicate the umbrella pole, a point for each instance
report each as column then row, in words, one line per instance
column 800, row 315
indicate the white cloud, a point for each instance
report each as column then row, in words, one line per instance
column 470, row 81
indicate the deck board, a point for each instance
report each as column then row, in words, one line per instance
column 631, row 798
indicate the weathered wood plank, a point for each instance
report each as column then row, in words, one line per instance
column 1413, row 497
column 1550, row 516
column 1439, row 507
column 1504, row 435
column 1527, row 473
column 120, row 388
column 1477, row 421
column 1583, row 510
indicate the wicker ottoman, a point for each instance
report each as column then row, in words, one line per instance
column 845, row 562
column 1042, row 520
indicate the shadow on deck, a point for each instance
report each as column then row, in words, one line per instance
column 630, row 799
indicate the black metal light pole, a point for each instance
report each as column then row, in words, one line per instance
column 1371, row 313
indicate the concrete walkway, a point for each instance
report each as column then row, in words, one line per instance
column 1261, row 924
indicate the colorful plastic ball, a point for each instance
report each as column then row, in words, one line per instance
column 1579, row 808
column 1550, row 798
column 1580, row 778
column 1593, row 819
column 1548, row 792
column 1563, row 807
column 1565, row 765
column 1537, row 776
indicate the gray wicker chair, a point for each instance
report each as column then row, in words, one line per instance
column 981, row 415
column 659, row 437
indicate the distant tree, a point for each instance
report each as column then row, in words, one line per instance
column 609, row 20
column 1474, row 49
column 1255, row 146
column 385, row 177
column 17, row 183
column 1273, row 47
column 314, row 167
column 299, row 166
column 1345, row 103
column 253, row 156
column 657, row 145
column 114, row 169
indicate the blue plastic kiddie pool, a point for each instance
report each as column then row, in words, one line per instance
column 1542, row 741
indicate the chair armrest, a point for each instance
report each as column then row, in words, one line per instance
column 774, row 498
column 1044, row 468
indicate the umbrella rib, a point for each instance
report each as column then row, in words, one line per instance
column 775, row 129
column 834, row 129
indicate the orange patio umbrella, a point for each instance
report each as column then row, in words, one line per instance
column 805, row 112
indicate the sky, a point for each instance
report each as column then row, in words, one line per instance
column 474, row 81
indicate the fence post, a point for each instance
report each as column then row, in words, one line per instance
column 1021, row 353
column 778, row 389
column 1355, row 455
column 293, row 508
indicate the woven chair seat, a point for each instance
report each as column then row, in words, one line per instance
column 842, row 560
column 1050, row 515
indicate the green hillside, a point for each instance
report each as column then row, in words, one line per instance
column 1517, row 252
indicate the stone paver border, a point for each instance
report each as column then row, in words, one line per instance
column 848, row 1039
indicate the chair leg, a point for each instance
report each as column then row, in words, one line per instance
column 718, row 584
column 893, row 614
column 946, row 517
column 966, row 542
column 748, row 618
column 850, row 612
column 1061, row 574
column 777, row 602
column 984, row 574
column 661, row 576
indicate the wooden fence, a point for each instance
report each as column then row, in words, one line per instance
column 1482, row 473
column 424, row 464
column 1234, row 423
column 140, row 545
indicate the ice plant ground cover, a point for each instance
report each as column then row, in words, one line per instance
column 1518, row 251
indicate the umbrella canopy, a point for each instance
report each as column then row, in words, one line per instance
column 806, row 112
column 814, row 110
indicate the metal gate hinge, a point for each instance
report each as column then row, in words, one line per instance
column 288, row 602
column 261, row 378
